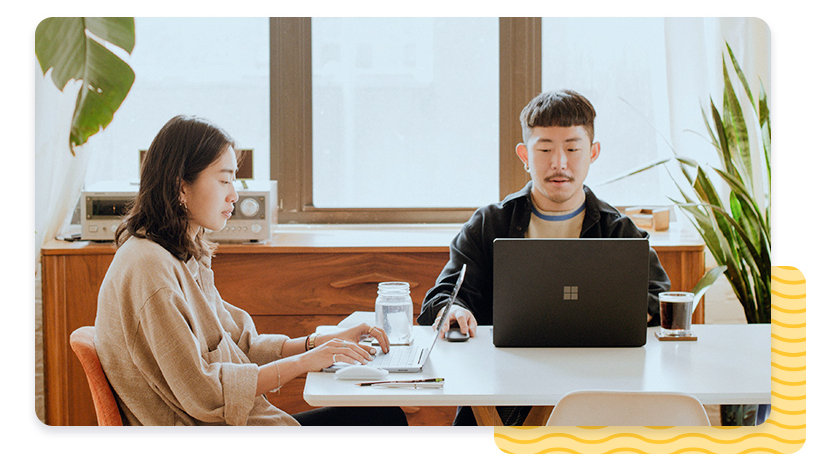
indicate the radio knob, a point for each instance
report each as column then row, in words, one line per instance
column 256, row 228
column 249, row 207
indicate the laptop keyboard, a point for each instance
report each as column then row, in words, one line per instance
column 397, row 356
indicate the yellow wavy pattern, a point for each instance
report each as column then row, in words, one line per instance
column 783, row 432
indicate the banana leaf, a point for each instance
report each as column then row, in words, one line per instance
column 75, row 49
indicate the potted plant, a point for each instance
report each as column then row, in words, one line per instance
column 736, row 228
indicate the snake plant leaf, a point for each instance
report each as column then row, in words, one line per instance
column 705, row 283
column 746, row 247
column 740, row 139
column 764, row 124
column 708, row 125
column 707, row 193
column 721, row 136
column 74, row 49
column 640, row 169
column 687, row 161
column 714, row 240
column 739, row 73
column 750, row 208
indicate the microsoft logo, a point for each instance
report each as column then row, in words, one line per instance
column 571, row 293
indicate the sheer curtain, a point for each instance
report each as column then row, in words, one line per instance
column 648, row 78
column 695, row 75
column 59, row 177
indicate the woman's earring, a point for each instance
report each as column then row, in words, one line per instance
column 182, row 204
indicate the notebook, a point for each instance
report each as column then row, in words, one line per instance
column 410, row 358
column 578, row 292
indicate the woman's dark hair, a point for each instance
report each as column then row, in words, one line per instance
column 184, row 147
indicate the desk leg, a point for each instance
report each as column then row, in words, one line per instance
column 538, row 415
column 487, row 416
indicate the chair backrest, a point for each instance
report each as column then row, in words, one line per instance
column 620, row 408
column 82, row 342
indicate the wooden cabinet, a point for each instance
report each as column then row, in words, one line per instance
column 291, row 285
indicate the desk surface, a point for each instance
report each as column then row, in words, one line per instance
column 728, row 364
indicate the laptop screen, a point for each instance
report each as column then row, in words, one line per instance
column 445, row 314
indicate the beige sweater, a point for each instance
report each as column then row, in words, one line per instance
column 173, row 350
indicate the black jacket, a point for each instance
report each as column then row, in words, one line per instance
column 509, row 219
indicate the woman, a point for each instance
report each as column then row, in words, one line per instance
column 173, row 350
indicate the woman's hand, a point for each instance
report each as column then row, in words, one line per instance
column 332, row 351
column 359, row 332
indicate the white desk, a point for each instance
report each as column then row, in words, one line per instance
column 728, row 364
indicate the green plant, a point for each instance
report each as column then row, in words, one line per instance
column 736, row 229
column 75, row 49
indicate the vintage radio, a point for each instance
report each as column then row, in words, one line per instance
column 104, row 204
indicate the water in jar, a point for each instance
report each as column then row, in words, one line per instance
column 394, row 311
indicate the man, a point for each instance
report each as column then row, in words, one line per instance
column 558, row 149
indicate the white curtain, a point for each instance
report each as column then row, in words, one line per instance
column 694, row 75
column 59, row 177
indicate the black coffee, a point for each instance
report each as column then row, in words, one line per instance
column 675, row 315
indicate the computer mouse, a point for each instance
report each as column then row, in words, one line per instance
column 455, row 335
column 360, row 372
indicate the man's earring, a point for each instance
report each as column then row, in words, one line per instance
column 526, row 168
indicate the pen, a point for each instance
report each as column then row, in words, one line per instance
column 436, row 380
column 415, row 386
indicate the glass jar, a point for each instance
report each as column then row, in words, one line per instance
column 394, row 311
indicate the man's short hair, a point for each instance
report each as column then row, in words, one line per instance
column 563, row 108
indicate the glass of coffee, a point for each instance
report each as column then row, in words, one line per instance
column 676, row 313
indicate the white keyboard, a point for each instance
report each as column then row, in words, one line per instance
column 398, row 356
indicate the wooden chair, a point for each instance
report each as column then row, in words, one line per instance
column 82, row 342
column 619, row 408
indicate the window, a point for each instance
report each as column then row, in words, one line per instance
column 647, row 77
column 389, row 125
column 416, row 119
column 420, row 115
column 216, row 68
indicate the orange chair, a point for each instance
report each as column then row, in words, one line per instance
column 82, row 342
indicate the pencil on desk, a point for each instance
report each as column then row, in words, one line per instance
column 416, row 381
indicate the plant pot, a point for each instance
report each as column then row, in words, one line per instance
column 739, row 415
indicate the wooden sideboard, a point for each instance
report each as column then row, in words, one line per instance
column 302, row 278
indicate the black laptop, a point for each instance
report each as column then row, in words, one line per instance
column 578, row 292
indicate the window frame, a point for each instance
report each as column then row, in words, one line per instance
column 291, row 124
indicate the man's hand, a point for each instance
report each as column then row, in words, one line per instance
column 462, row 317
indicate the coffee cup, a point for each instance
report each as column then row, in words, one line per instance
column 676, row 313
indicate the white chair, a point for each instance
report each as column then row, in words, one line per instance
column 618, row 408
